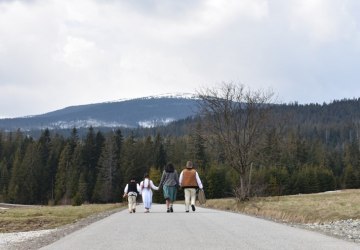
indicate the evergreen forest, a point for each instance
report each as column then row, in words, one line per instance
column 314, row 149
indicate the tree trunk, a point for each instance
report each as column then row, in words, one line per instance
column 242, row 188
column 249, row 185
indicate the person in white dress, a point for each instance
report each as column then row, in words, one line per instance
column 146, row 187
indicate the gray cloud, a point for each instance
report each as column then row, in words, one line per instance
column 59, row 53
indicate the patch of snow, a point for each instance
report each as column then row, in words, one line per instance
column 156, row 122
column 10, row 238
column 166, row 95
column 83, row 123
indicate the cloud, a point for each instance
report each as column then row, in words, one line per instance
column 59, row 53
column 79, row 53
column 321, row 21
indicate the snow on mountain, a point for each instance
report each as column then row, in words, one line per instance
column 147, row 112
column 154, row 123
column 165, row 95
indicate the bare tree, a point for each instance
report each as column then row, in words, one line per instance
column 236, row 119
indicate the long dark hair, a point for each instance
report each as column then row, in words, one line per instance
column 169, row 168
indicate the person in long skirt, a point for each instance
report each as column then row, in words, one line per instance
column 146, row 187
column 170, row 182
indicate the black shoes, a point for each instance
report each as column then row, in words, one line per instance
column 192, row 208
column 171, row 209
column 134, row 210
column 168, row 210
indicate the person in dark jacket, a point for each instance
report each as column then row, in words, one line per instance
column 131, row 190
column 189, row 180
column 170, row 182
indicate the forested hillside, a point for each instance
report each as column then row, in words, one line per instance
column 133, row 113
column 310, row 148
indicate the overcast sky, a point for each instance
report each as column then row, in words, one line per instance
column 58, row 53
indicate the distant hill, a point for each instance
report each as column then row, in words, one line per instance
column 158, row 111
column 140, row 112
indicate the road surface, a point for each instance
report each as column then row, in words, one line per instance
column 202, row 229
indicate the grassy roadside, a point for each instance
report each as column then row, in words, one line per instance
column 305, row 208
column 21, row 219
column 308, row 208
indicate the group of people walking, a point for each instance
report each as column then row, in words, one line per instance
column 170, row 181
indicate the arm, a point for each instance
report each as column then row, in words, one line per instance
column 180, row 178
column 162, row 179
column 138, row 188
column 199, row 181
column 153, row 186
column 125, row 190
column 177, row 178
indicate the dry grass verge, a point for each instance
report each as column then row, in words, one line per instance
column 303, row 208
column 22, row 219
column 309, row 208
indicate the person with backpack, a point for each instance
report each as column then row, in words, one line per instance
column 131, row 190
column 189, row 180
column 146, row 187
column 170, row 182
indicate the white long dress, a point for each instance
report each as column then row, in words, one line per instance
column 147, row 193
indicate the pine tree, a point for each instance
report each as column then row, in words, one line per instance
column 273, row 187
column 74, row 171
column 105, row 183
column 62, row 187
column 352, row 154
column 147, row 152
column 44, row 148
column 81, row 194
column 160, row 153
column 34, row 171
column 4, row 180
column 118, row 178
column 57, row 145
column 63, row 190
column 271, row 155
column 128, row 159
column 326, row 180
column 18, row 173
column 17, row 179
column 216, row 184
column 313, row 183
column 350, row 177
column 91, row 152
column 200, row 159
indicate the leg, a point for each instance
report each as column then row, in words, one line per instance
column 173, row 191
column 145, row 200
column 187, row 198
column 166, row 196
column 171, row 207
column 168, row 205
column 130, row 203
column 133, row 207
column 193, row 198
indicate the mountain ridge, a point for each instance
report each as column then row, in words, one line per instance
column 131, row 113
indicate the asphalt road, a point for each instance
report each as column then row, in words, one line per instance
column 202, row 229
